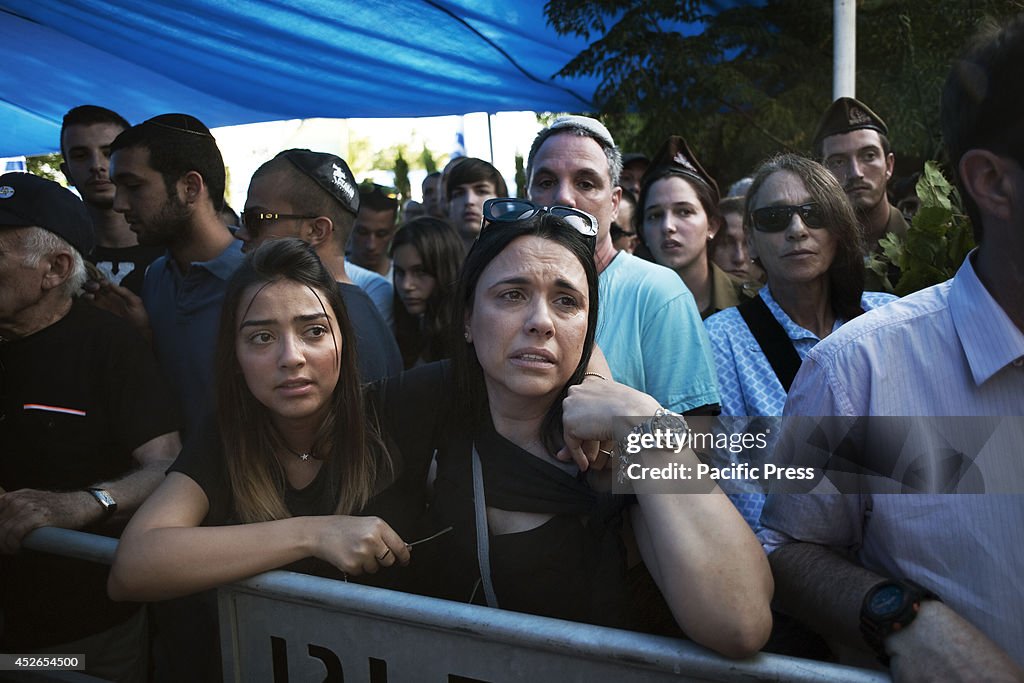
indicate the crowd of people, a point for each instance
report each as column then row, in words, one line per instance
column 322, row 384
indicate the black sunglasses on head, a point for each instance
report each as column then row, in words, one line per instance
column 511, row 210
column 778, row 218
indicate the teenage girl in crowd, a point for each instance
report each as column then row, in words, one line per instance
column 427, row 254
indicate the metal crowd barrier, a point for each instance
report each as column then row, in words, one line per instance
column 284, row 627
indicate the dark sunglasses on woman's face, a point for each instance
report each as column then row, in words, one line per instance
column 511, row 210
column 778, row 218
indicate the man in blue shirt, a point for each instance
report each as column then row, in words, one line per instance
column 170, row 180
column 170, row 185
column 649, row 328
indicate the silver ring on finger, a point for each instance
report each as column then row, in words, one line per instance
column 386, row 553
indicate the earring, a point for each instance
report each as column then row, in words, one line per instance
column 466, row 335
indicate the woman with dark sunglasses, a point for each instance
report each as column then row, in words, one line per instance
column 802, row 231
column 535, row 534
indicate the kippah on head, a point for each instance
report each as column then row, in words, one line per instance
column 27, row 200
column 330, row 172
column 181, row 123
column 676, row 158
column 592, row 126
column 845, row 115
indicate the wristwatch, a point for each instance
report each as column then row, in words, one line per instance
column 104, row 498
column 663, row 421
column 888, row 607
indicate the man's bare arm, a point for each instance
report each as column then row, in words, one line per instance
column 25, row 510
column 825, row 590
column 822, row 588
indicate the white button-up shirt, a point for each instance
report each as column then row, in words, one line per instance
column 949, row 350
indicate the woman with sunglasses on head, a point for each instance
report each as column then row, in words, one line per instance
column 426, row 253
column 294, row 465
column 678, row 218
column 802, row 231
column 532, row 533
column 292, row 470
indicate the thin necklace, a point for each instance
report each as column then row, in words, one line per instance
column 301, row 456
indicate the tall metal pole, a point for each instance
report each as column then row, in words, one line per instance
column 490, row 137
column 844, row 66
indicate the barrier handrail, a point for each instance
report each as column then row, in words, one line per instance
column 76, row 544
column 513, row 628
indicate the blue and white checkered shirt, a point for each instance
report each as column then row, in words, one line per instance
column 747, row 384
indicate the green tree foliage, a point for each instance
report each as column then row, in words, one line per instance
column 427, row 159
column 359, row 156
column 46, row 166
column 399, row 160
column 936, row 242
column 401, row 169
column 757, row 78
column 520, row 177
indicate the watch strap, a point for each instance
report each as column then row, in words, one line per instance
column 875, row 630
column 667, row 420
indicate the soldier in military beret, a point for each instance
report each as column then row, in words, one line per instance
column 852, row 142
column 678, row 217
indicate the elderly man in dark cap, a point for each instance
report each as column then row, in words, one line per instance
column 87, row 426
column 853, row 143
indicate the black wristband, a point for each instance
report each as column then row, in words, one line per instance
column 888, row 607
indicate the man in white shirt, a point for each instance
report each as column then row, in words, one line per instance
column 869, row 570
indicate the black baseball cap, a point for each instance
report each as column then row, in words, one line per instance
column 28, row 200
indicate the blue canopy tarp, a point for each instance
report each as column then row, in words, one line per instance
column 261, row 60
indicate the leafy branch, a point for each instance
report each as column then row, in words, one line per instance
column 937, row 240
